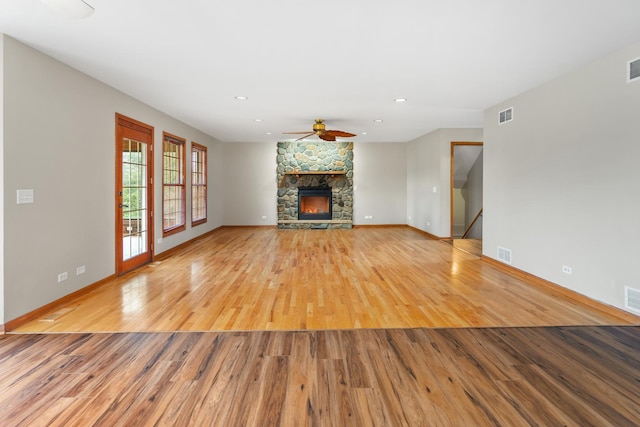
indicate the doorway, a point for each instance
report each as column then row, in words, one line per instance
column 134, row 194
column 466, row 196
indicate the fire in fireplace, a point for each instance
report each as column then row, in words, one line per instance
column 314, row 203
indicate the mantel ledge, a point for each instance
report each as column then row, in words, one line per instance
column 332, row 173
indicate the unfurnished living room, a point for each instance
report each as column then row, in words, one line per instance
column 410, row 213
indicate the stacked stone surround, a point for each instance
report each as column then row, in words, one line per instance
column 315, row 157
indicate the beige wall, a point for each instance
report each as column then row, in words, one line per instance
column 429, row 167
column 380, row 183
column 251, row 188
column 561, row 179
column 59, row 140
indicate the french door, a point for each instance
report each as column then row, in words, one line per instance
column 134, row 194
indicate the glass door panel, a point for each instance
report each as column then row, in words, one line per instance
column 134, row 200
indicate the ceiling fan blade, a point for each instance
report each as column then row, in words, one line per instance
column 327, row 136
column 303, row 137
column 340, row 133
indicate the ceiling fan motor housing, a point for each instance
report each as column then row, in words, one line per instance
column 318, row 126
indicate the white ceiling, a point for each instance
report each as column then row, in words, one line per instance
column 341, row 60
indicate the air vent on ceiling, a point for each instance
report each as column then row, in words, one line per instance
column 633, row 70
column 505, row 115
column 632, row 299
column 504, row 255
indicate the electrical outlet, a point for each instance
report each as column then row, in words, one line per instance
column 263, row 217
column 566, row 269
column 80, row 270
column 62, row 277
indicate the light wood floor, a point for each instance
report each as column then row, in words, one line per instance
column 259, row 278
column 336, row 297
column 472, row 246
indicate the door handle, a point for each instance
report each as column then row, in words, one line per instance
column 123, row 206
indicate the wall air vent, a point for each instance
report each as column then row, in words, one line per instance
column 632, row 299
column 504, row 255
column 505, row 116
column 633, row 70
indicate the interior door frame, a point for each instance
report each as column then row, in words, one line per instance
column 139, row 127
column 454, row 144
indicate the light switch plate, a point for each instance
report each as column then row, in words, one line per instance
column 25, row 196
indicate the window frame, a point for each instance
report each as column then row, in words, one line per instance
column 195, row 183
column 181, row 143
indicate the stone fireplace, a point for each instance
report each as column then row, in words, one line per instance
column 315, row 184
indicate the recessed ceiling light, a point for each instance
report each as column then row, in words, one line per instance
column 400, row 100
column 363, row 133
column 257, row 120
column 268, row 133
column 241, row 98
column 378, row 120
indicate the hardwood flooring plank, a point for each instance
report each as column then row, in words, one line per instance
column 554, row 371
column 401, row 404
column 559, row 395
column 527, row 400
column 445, row 377
column 273, row 389
column 620, row 409
column 49, row 383
column 301, row 395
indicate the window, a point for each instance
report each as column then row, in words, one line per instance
column 173, row 186
column 198, row 184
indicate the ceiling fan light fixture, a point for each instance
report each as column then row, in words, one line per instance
column 77, row 9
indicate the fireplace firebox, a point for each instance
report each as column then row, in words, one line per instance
column 314, row 203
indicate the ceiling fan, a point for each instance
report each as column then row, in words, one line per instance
column 320, row 130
